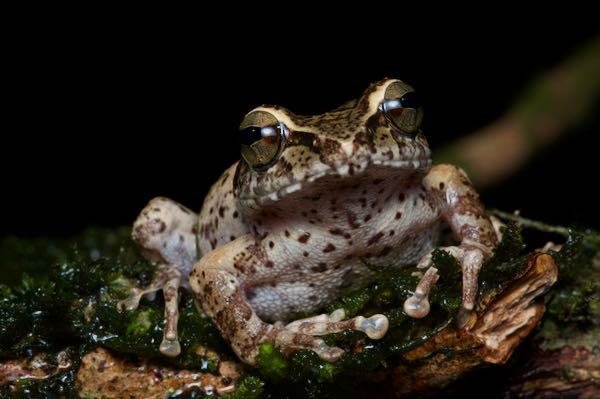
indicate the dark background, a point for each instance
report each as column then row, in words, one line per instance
column 99, row 119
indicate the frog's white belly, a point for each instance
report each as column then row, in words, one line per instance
column 302, row 290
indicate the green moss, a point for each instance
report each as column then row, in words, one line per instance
column 250, row 387
column 87, row 282
column 271, row 362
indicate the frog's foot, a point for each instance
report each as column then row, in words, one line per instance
column 374, row 327
column 417, row 305
column 470, row 256
column 288, row 340
column 168, row 278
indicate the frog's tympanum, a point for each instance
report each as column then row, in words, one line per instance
column 312, row 202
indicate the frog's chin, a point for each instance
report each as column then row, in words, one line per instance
column 385, row 167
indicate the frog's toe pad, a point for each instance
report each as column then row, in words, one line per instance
column 170, row 348
column 417, row 307
column 375, row 326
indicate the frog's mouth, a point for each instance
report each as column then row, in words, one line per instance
column 332, row 177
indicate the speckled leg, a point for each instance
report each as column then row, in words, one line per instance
column 449, row 189
column 165, row 232
column 219, row 281
column 374, row 327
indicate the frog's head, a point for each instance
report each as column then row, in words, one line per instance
column 284, row 153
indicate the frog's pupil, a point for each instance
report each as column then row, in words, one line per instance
column 411, row 100
column 250, row 135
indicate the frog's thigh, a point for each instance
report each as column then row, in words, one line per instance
column 166, row 232
column 219, row 280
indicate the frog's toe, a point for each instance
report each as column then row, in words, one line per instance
column 417, row 307
column 375, row 326
column 170, row 347
column 328, row 353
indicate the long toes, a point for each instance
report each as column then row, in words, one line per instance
column 375, row 326
column 169, row 347
column 328, row 353
column 416, row 307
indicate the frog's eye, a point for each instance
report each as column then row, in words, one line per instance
column 402, row 108
column 261, row 136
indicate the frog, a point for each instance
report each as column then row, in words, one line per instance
column 315, row 205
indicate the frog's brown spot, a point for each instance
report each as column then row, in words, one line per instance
column 351, row 217
column 162, row 227
column 381, row 190
column 239, row 267
column 207, row 289
column 321, row 267
column 304, row 237
column 222, row 210
column 312, row 298
column 367, row 218
column 269, row 264
column 375, row 238
column 271, row 244
column 386, row 250
column 392, row 232
column 401, row 197
column 305, row 253
column 398, row 215
column 231, row 238
column 373, row 204
column 377, row 181
column 363, row 202
column 211, row 210
column 287, row 233
column 235, row 214
column 442, row 185
column 329, row 248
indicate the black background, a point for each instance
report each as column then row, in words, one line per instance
column 100, row 117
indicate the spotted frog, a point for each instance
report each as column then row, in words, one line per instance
column 295, row 222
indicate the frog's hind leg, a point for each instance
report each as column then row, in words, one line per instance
column 165, row 231
column 374, row 327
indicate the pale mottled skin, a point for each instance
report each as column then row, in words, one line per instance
column 345, row 186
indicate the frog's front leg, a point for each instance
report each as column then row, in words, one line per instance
column 165, row 232
column 223, row 278
column 449, row 189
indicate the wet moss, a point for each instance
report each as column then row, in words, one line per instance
column 89, row 278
